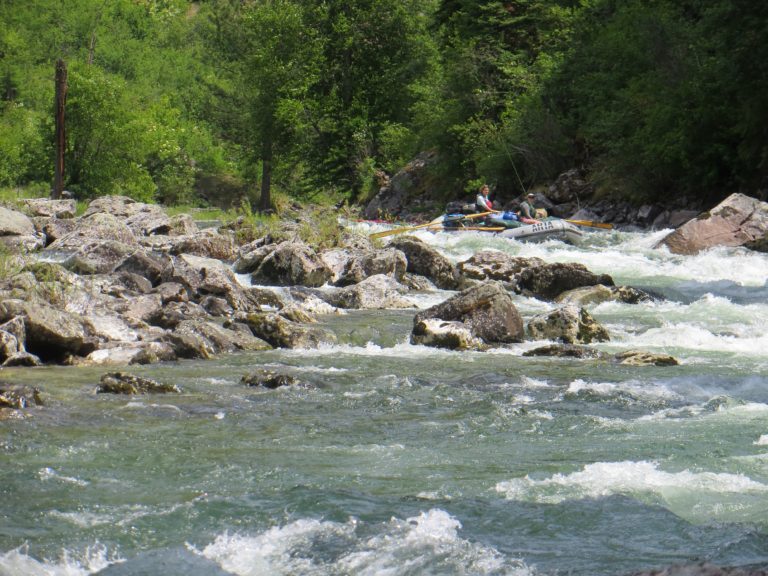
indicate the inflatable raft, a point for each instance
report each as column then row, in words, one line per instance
column 545, row 230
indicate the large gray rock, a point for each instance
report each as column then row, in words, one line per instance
column 643, row 358
column 569, row 324
column 199, row 338
column 98, row 226
column 64, row 208
column 98, row 257
column 598, row 293
column 151, row 265
column 14, row 223
column 55, row 228
column 126, row 354
column 550, row 280
column 496, row 265
column 283, row 333
column 172, row 314
column 208, row 243
column 486, row 310
column 251, row 256
column 119, row 206
column 359, row 266
column 426, row 261
column 453, row 335
column 374, row 293
column 51, row 333
column 124, row 383
column 739, row 220
column 292, row 264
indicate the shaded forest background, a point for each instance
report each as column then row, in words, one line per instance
column 221, row 101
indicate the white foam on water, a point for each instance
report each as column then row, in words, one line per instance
column 18, row 562
column 635, row 389
column 529, row 382
column 639, row 479
column 139, row 405
column 402, row 350
column 427, row 543
column 686, row 336
column 51, row 474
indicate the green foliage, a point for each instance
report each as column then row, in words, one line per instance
column 291, row 100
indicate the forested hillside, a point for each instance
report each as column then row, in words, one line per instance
column 224, row 100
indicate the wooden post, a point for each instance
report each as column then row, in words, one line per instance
column 61, row 140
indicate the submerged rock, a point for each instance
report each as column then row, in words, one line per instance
column 283, row 333
column 569, row 324
column 268, row 379
column 642, row 358
column 700, row 569
column 599, row 293
column 124, row 383
column 18, row 396
column 565, row 351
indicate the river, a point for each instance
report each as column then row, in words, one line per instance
column 393, row 459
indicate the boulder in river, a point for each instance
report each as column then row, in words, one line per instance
column 424, row 260
column 283, row 333
column 452, row 335
column 701, row 569
column 643, row 358
column 375, row 292
column 496, row 265
column 569, row 324
column 565, row 351
column 599, row 293
column 291, row 264
column 124, row 383
column 486, row 310
column 739, row 220
column 268, row 379
column 19, row 396
column 550, row 280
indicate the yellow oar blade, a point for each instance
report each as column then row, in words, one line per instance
column 394, row 231
column 591, row 224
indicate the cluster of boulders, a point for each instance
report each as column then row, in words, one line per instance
column 125, row 283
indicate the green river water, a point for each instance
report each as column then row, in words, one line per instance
column 395, row 459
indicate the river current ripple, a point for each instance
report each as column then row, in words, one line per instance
column 393, row 459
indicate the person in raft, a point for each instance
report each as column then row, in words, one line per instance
column 528, row 213
column 498, row 218
column 482, row 202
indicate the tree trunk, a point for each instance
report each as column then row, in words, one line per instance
column 61, row 140
column 265, row 201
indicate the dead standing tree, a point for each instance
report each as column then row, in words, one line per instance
column 61, row 140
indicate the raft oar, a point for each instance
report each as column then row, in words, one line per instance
column 465, row 228
column 427, row 225
column 591, row 224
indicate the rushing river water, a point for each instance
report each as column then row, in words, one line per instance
column 396, row 459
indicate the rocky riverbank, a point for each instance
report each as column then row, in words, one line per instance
column 126, row 284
